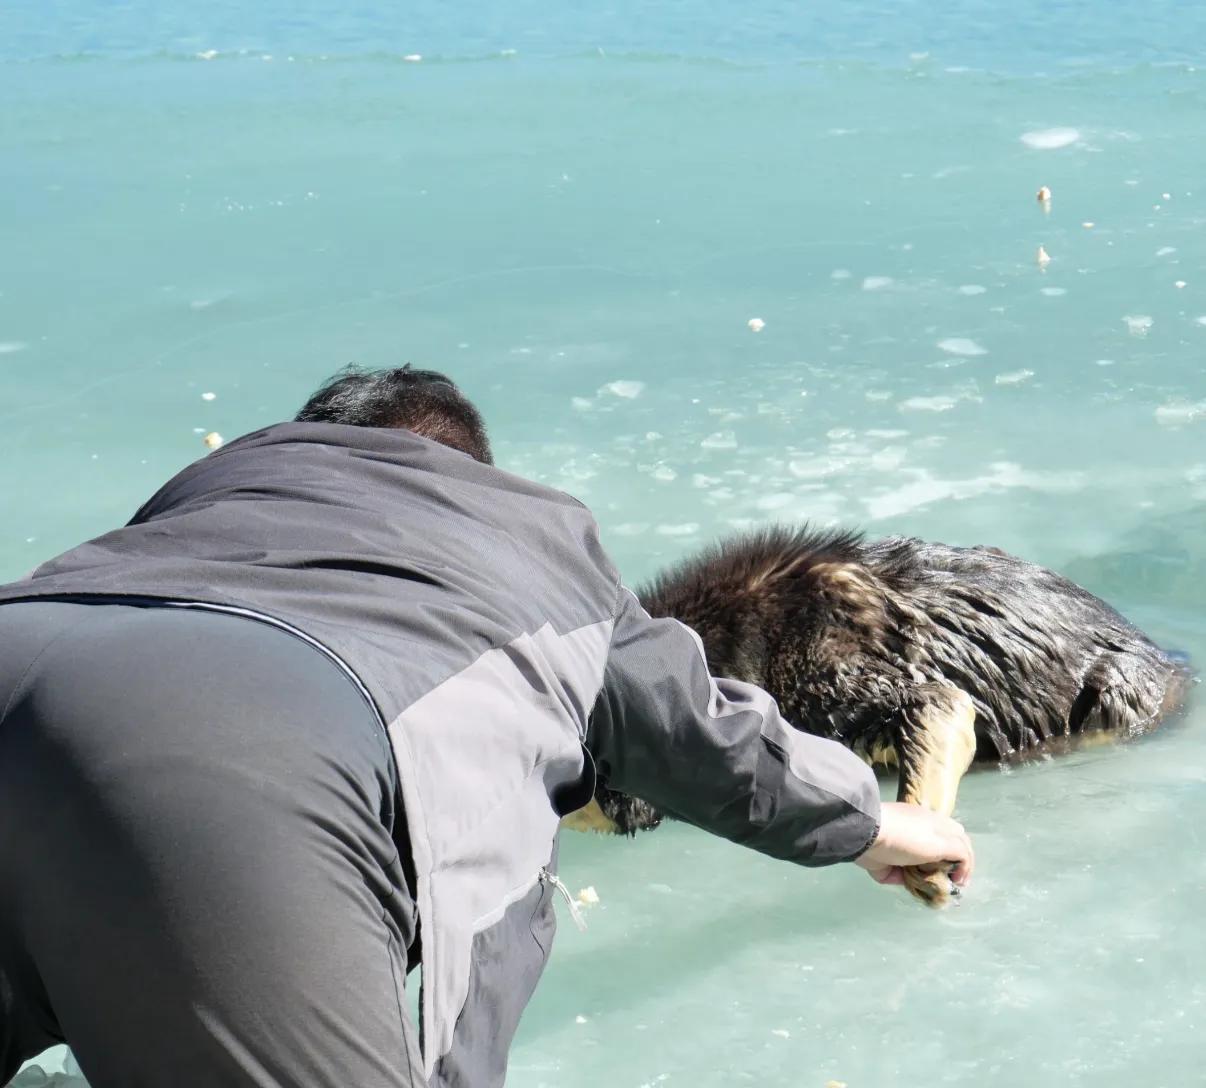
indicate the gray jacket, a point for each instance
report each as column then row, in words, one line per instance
column 506, row 660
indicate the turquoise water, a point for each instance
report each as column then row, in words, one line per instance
column 577, row 212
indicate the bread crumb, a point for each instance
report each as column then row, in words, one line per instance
column 213, row 440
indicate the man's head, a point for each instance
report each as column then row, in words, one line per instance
column 423, row 401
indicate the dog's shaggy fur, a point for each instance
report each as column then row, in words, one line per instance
column 871, row 644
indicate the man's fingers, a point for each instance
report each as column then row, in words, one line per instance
column 964, row 859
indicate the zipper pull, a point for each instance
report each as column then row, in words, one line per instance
column 549, row 878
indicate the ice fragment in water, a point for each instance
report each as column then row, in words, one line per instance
column 960, row 345
column 756, row 324
column 1050, row 139
column 627, row 390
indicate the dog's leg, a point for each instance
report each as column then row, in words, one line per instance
column 935, row 743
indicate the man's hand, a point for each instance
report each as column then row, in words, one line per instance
column 911, row 835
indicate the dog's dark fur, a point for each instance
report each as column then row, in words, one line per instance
column 854, row 638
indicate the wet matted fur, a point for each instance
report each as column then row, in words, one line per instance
column 873, row 643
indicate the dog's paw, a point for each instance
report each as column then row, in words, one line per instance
column 931, row 884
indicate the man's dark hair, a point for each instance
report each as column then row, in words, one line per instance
column 423, row 401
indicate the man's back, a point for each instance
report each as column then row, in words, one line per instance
column 405, row 558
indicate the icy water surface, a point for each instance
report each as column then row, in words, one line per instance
column 578, row 215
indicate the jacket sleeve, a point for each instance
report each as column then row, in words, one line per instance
column 716, row 753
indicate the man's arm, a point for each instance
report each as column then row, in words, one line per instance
column 717, row 754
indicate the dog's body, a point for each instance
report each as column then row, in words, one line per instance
column 896, row 647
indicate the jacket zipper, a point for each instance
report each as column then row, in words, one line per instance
column 551, row 880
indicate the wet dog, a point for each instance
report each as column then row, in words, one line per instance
column 914, row 655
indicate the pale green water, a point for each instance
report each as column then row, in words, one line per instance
column 546, row 224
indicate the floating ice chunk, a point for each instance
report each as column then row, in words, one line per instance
column 582, row 404
column 781, row 1033
column 1166, row 251
column 1014, row 377
column 721, row 440
column 1050, row 139
column 878, row 394
column 877, row 283
column 664, row 473
column 413, row 58
column 627, row 390
column 1179, row 284
column 775, row 501
column 1202, row 320
column 207, row 54
column 11, row 347
column 700, row 480
column 579, row 1019
column 1138, row 324
column 687, row 528
column 756, row 324
column 814, row 469
column 209, row 396
column 961, row 345
column 928, row 404
column 972, row 289
column 1054, row 292
column 1105, row 362
column 1176, row 415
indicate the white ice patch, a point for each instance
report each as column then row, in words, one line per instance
column 840, row 274
column 1166, row 251
column 1202, row 320
column 961, row 345
column 627, row 390
column 1050, row 139
column 815, row 469
column 928, row 404
column 11, row 347
column 972, row 289
column 924, row 488
column 1138, row 324
column 1014, row 377
column 1054, row 292
column 877, row 283
column 582, row 404
column 1177, row 415
column 664, row 473
column 721, row 440
column 775, row 501
column 686, row 529
column 878, row 394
